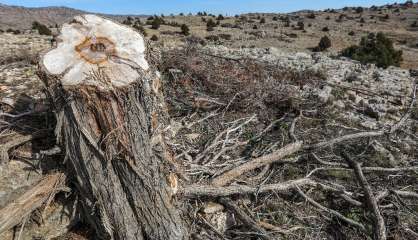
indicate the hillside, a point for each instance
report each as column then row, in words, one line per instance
column 21, row 18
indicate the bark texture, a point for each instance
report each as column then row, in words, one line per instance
column 110, row 126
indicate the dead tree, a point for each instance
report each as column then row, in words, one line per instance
column 110, row 116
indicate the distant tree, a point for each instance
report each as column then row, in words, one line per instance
column 262, row 20
column 359, row 10
column 181, row 14
column 275, row 18
column 185, row 30
column 220, row 17
column 362, row 20
column 154, row 38
column 376, row 49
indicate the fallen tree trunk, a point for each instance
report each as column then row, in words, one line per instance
column 110, row 112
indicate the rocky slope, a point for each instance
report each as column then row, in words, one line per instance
column 347, row 97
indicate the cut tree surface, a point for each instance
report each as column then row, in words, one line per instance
column 91, row 43
column 110, row 113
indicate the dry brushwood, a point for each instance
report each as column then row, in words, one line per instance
column 110, row 112
column 379, row 223
column 38, row 196
column 17, row 141
column 245, row 219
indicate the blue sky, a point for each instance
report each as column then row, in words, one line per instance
column 213, row 6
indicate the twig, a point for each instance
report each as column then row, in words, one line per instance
column 292, row 128
column 244, row 218
column 379, row 223
column 330, row 211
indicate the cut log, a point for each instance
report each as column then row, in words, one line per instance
column 110, row 115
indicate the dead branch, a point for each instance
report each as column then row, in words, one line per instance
column 39, row 196
column 379, row 223
column 276, row 156
column 244, row 218
column 330, row 211
column 211, row 191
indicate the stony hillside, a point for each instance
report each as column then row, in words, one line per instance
column 21, row 18
column 16, row 17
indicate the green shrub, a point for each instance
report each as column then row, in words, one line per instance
column 42, row 29
column 359, row 10
column 154, row 38
column 323, row 44
column 301, row 25
column 156, row 23
column 311, row 15
column 185, row 30
column 212, row 38
column 220, row 17
column 141, row 29
column 210, row 24
column 375, row 48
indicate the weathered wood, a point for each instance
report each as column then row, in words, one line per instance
column 110, row 113
column 38, row 196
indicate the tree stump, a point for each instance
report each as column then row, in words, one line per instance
column 110, row 116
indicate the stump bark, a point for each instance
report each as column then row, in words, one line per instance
column 110, row 116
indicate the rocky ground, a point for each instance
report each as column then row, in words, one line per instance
column 230, row 103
